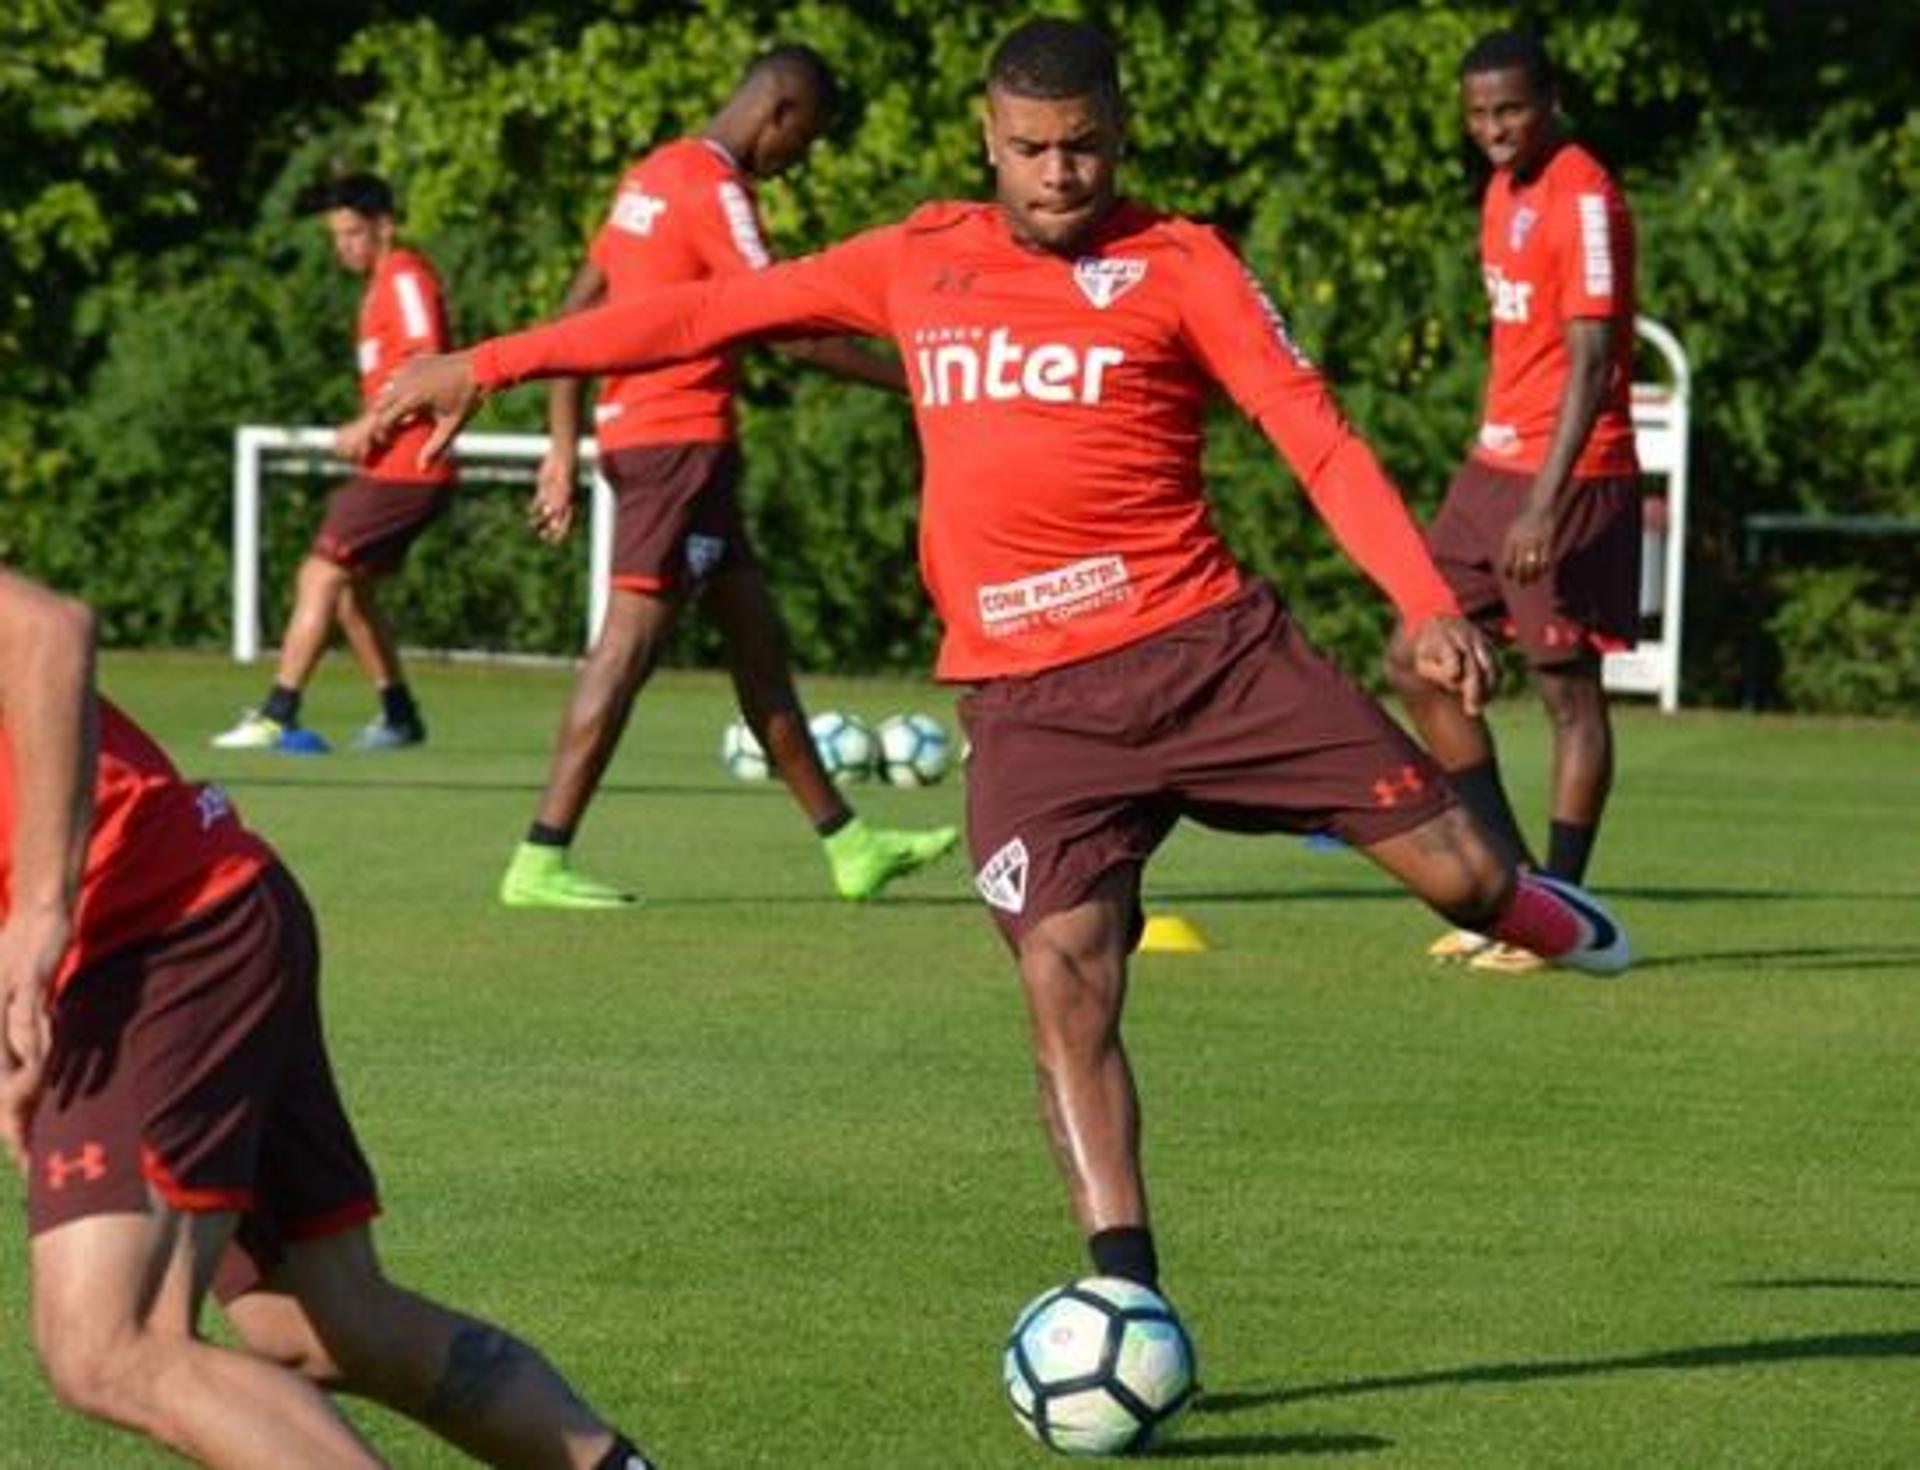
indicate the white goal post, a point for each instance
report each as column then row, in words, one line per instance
column 262, row 449
column 1660, row 426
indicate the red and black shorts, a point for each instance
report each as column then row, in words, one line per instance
column 1231, row 718
column 191, row 1067
column 677, row 515
column 370, row 524
column 1590, row 604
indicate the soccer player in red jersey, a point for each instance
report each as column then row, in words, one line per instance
column 374, row 518
column 1540, row 533
column 1061, row 343
column 686, row 212
column 164, row 1083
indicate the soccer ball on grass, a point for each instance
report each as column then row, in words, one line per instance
column 1098, row 1367
column 914, row 750
column 846, row 745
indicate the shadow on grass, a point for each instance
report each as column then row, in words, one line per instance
column 1386, row 888
column 1797, row 958
column 1267, row 1446
column 1837, row 1346
column 1825, row 1283
column 324, row 781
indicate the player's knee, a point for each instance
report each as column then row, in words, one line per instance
column 1073, row 994
column 96, row 1372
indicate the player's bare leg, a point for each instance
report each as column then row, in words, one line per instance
column 741, row 606
column 115, row 1301
column 1576, row 704
column 1462, row 744
column 1073, row 968
column 370, row 636
column 369, row 631
column 329, row 1312
column 318, row 589
column 862, row 859
column 621, row 661
column 1449, row 862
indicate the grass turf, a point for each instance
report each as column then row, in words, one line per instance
column 759, row 1169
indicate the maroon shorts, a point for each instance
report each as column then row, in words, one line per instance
column 1591, row 602
column 371, row 524
column 192, row 1066
column 1231, row 718
column 677, row 518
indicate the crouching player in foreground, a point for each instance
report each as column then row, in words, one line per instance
column 1060, row 344
column 164, row 1082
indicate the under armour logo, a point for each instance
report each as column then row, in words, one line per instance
column 1003, row 881
column 1388, row 790
column 90, row 1165
column 952, row 280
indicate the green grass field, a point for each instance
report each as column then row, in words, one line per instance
column 760, row 1169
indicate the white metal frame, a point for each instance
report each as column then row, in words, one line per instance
column 1661, row 416
column 509, row 458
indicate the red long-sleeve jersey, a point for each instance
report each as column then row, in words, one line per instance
column 1059, row 404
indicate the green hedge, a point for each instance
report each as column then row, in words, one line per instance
column 1326, row 138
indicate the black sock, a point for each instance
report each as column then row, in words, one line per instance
column 830, row 825
column 1479, row 787
column 1126, row 1251
column 541, row 835
column 623, row 1454
column 1569, row 845
column 282, row 705
column 397, row 706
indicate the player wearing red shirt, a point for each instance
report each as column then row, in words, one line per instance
column 165, row 1085
column 683, row 213
column 1059, row 345
column 1540, row 533
column 374, row 518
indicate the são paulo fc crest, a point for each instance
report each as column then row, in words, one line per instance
column 1003, row 881
column 1104, row 282
column 1521, row 226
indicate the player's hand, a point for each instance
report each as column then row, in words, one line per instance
column 1528, row 552
column 1454, row 654
column 439, row 386
column 354, row 441
column 31, row 947
column 550, row 512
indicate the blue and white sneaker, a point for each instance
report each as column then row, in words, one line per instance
column 383, row 734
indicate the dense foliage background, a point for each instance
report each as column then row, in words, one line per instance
column 158, row 284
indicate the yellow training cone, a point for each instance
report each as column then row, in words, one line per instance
column 1171, row 934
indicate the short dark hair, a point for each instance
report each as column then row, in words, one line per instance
column 802, row 64
column 1050, row 58
column 1510, row 50
column 366, row 194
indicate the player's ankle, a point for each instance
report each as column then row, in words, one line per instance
column 1126, row 1251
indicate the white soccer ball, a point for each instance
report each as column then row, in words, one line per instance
column 741, row 754
column 914, row 750
column 1098, row 1367
column 846, row 745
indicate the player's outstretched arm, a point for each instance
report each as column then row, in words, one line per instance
column 48, row 719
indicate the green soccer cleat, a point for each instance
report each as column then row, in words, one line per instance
column 539, row 878
column 253, row 731
column 864, row 859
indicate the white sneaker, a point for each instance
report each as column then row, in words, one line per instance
column 253, row 732
column 1457, row 946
